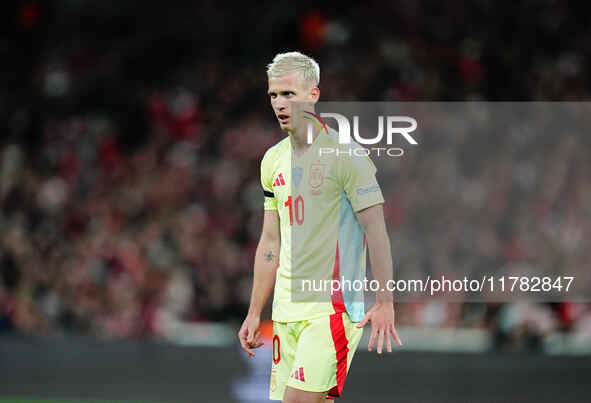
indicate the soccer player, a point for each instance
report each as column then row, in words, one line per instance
column 322, row 211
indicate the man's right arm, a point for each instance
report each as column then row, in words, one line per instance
column 266, row 262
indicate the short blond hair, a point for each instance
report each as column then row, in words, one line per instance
column 295, row 62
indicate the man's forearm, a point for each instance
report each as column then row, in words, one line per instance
column 265, row 267
column 378, row 243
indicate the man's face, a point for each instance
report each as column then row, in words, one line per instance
column 287, row 91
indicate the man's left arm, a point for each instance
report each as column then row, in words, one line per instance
column 381, row 315
column 358, row 177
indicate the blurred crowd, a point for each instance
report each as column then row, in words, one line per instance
column 130, row 198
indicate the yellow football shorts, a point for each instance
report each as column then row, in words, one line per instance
column 313, row 355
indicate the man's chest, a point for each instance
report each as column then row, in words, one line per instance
column 311, row 184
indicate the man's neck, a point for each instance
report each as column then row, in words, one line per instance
column 299, row 139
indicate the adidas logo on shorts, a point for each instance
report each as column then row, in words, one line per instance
column 298, row 374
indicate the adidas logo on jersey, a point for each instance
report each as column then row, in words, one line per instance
column 298, row 374
column 279, row 181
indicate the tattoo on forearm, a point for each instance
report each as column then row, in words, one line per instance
column 269, row 256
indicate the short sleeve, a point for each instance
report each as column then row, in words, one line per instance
column 267, row 182
column 358, row 175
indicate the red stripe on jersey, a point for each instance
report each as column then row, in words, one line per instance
column 281, row 179
column 337, row 296
column 341, row 345
column 302, row 374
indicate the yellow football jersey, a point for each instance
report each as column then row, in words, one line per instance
column 316, row 196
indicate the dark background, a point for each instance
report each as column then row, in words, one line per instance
column 130, row 140
column 163, row 373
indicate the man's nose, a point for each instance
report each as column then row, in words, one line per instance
column 280, row 105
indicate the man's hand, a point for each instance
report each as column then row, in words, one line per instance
column 381, row 317
column 249, row 334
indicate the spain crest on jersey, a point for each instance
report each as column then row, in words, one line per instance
column 316, row 175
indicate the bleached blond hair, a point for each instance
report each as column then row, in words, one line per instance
column 295, row 62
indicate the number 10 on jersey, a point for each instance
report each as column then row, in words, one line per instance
column 298, row 206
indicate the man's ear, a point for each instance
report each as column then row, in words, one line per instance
column 315, row 93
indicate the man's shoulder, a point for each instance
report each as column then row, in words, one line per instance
column 275, row 151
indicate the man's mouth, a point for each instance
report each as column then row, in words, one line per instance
column 283, row 118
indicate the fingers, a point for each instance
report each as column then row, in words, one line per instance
column 257, row 342
column 251, row 335
column 247, row 340
column 380, row 333
column 242, row 335
column 260, row 343
column 252, row 346
column 249, row 352
column 395, row 335
column 363, row 321
column 372, row 338
column 244, row 344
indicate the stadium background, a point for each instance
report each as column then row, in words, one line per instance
column 130, row 204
